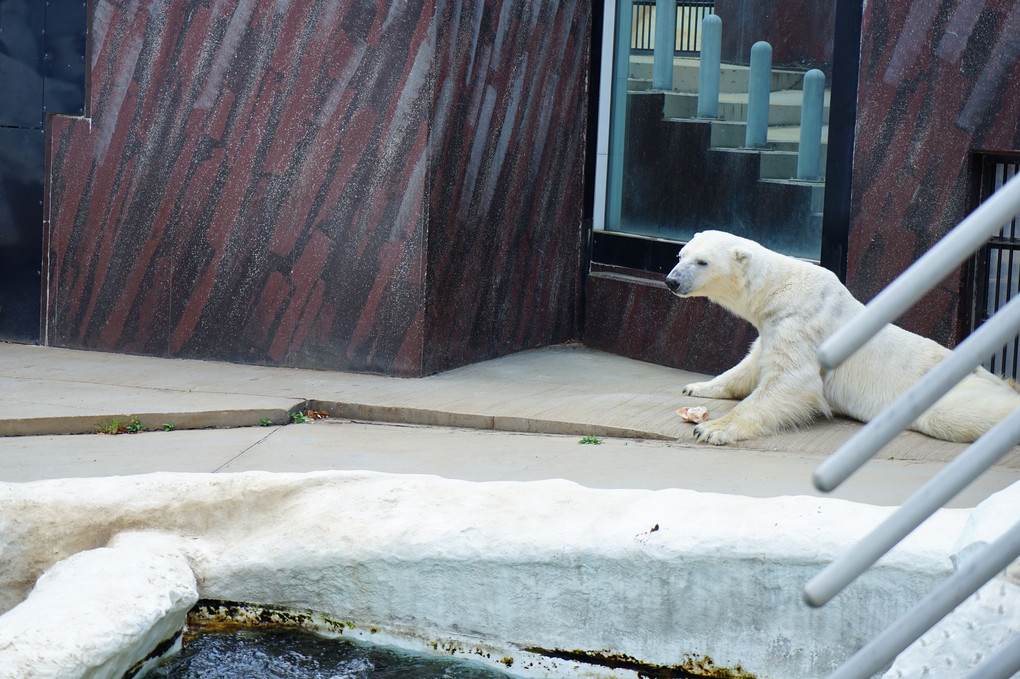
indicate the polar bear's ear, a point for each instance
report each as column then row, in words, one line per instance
column 740, row 255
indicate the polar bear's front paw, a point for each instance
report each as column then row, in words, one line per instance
column 714, row 431
column 702, row 389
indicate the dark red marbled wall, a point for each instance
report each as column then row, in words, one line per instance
column 504, row 254
column 939, row 80
column 319, row 184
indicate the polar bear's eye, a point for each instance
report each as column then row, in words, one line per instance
column 701, row 262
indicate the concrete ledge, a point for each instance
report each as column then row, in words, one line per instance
column 508, row 423
column 526, row 571
column 88, row 424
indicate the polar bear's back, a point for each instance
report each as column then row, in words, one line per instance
column 892, row 362
column 880, row 372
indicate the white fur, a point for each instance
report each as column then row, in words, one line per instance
column 795, row 305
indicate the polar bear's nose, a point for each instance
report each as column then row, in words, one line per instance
column 672, row 284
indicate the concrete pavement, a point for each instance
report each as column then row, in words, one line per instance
column 519, row 417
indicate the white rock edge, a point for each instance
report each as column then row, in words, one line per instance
column 98, row 613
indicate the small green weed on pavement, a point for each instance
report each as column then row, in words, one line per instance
column 117, row 426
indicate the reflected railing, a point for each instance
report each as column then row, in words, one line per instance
column 689, row 14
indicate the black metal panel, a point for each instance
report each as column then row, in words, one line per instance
column 42, row 71
column 21, row 217
column 64, row 57
column 22, row 24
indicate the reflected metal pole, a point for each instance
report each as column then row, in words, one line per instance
column 708, row 67
column 665, row 44
column 759, row 91
column 809, row 151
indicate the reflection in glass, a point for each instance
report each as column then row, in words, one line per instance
column 672, row 173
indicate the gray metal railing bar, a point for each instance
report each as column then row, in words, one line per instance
column 936, row 605
column 1002, row 665
column 970, row 235
column 933, row 266
column 941, row 488
column 961, row 362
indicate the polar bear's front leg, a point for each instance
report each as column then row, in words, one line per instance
column 737, row 382
column 782, row 399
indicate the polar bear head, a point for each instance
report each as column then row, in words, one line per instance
column 713, row 264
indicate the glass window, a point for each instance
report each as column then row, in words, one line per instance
column 672, row 163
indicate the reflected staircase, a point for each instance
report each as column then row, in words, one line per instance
column 778, row 161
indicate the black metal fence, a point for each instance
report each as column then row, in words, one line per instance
column 998, row 266
column 689, row 14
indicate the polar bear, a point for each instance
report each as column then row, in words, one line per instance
column 796, row 305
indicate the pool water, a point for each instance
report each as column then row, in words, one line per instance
column 295, row 654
